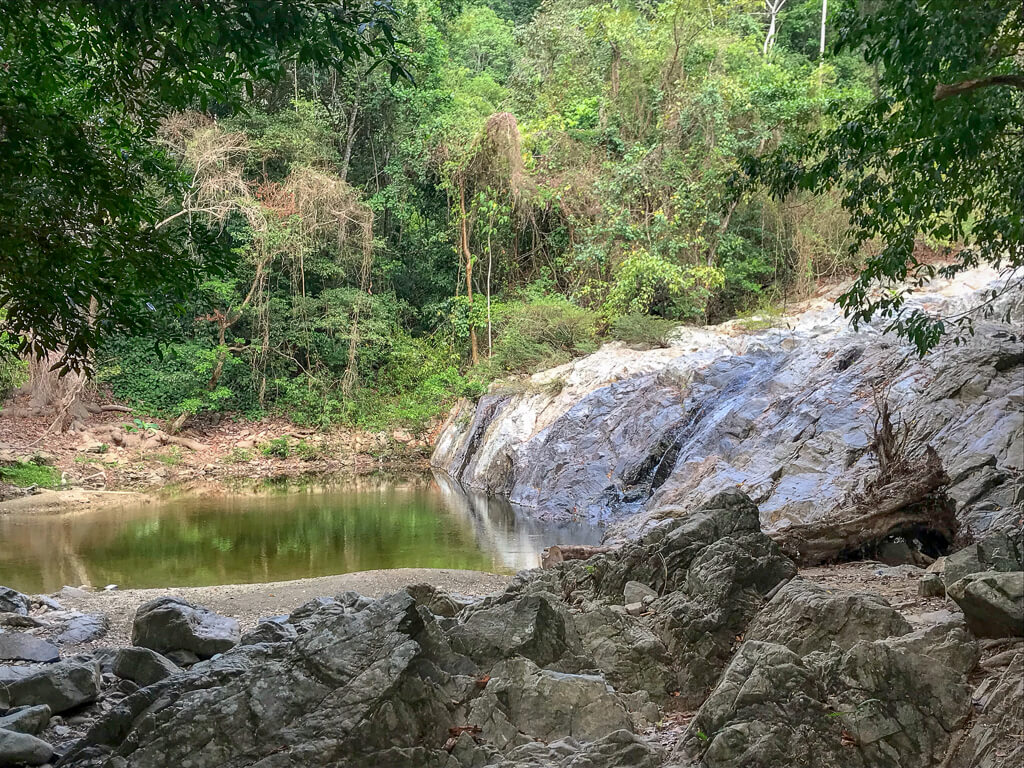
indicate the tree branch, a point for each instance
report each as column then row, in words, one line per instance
column 945, row 91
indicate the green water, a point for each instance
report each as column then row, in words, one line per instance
column 295, row 532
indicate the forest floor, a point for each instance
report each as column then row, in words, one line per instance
column 225, row 450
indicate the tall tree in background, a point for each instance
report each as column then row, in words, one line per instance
column 936, row 155
column 83, row 185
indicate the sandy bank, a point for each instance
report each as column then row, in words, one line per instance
column 248, row 602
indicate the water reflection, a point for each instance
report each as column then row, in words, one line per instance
column 287, row 532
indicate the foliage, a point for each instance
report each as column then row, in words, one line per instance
column 649, row 284
column 643, row 331
column 84, row 189
column 26, row 474
column 935, row 154
column 278, row 447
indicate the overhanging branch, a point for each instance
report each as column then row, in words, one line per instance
column 948, row 90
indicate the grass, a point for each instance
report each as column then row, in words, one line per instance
column 25, row 475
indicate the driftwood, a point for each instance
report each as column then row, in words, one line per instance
column 556, row 554
column 906, row 505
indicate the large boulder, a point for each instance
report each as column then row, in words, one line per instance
column 23, row 749
column 805, row 617
column 26, row 719
column 170, row 624
column 522, row 699
column 992, row 602
column 19, row 646
column 83, row 628
column 530, row 625
column 142, row 666
column 998, row 551
column 61, row 686
column 12, row 601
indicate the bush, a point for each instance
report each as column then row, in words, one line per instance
column 644, row 331
column 646, row 283
column 540, row 333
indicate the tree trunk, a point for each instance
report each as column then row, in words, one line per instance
column 473, row 346
column 905, row 506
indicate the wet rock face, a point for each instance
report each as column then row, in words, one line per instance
column 784, row 413
column 169, row 624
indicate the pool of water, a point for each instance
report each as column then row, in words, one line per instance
column 290, row 532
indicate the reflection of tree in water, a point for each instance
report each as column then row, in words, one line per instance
column 515, row 538
column 221, row 540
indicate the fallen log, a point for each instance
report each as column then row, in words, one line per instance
column 910, row 505
column 556, row 554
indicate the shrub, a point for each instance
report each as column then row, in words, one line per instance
column 644, row 331
column 540, row 333
column 646, row 283
column 278, row 447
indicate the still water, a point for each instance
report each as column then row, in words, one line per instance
column 286, row 532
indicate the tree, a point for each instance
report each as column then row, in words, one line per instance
column 83, row 185
column 936, row 154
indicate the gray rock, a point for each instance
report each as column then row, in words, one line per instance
column 23, row 749
column 269, row 632
column 990, row 743
column 170, row 624
column 26, row 719
column 931, row 585
column 438, row 601
column 71, row 593
column 182, row 657
column 61, row 686
column 19, row 620
column 635, row 592
column 532, row 626
column 992, row 602
column 14, row 602
column 995, row 552
column 143, row 666
column 805, row 618
column 84, row 628
column 18, row 646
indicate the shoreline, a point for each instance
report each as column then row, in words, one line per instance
column 249, row 602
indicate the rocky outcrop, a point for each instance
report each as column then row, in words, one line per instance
column 168, row 624
column 784, row 413
column 557, row 672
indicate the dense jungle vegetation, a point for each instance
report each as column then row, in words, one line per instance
column 522, row 180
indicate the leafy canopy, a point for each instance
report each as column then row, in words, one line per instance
column 83, row 186
column 937, row 153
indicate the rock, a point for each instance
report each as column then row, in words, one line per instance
column 182, row 657
column 84, row 628
column 931, row 585
column 170, row 624
column 634, row 609
column 18, row 646
column 143, row 666
column 19, row 620
column 992, row 602
column 269, row 632
column 805, row 618
column 14, row 602
column 72, row 593
column 23, row 749
column 26, row 719
column 532, row 626
column 48, row 602
column 995, row 552
column 990, row 743
column 61, row 686
column 546, row 705
column 635, row 592
column 438, row 601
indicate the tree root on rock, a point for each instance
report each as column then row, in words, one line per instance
column 910, row 505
